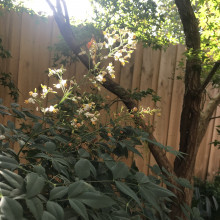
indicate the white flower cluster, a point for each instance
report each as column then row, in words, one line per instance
column 121, row 44
column 2, row 137
column 49, row 109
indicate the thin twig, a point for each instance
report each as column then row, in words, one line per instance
column 210, row 75
column 214, row 117
column 66, row 12
column 59, row 8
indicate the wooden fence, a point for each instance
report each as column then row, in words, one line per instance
column 28, row 38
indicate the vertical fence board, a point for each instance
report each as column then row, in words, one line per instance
column 176, row 105
column 5, row 36
column 164, row 89
column 214, row 158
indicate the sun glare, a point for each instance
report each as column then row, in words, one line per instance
column 79, row 9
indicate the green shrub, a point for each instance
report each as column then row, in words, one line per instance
column 207, row 198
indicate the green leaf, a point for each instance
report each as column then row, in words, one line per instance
column 150, row 197
column 5, row 186
column 50, row 147
column 11, row 209
column 96, row 200
column 92, row 169
column 35, row 206
column 58, row 192
column 40, row 170
column 8, row 162
column 82, row 168
column 60, row 139
column 120, row 170
column 18, row 113
column 14, row 105
column 83, row 153
column 158, row 190
column 77, row 188
column 134, row 150
column 2, row 129
column 55, row 209
column 48, row 216
column 142, row 178
column 12, row 178
column 28, row 114
column 11, row 125
column 79, row 208
column 35, row 184
column 184, row 182
column 128, row 191
column 4, row 113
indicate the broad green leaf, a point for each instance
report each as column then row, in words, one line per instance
column 34, row 184
column 12, row 178
column 56, row 165
column 2, row 129
column 17, row 193
column 55, row 209
column 42, row 155
column 35, row 206
column 83, row 153
column 158, row 190
column 40, row 170
column 82, row 168
column 92, row 169
column 79, row 208
column 14, row 105
column 60, row 139
column 4, row 113
column 150, row 197
column 5, row 192
column 77, row 188
column 4, row 107
column 127, row 190
column 50, row 147
column 184, row 182
column 11, row 125
column 5, row 186
column 109, row 161
column 96, row 200
column 58, row 192
column 134, row 150
column 48, row 216
column 11, row 209
column 142, row 178
column 120, row 170
column 18, row 113
column 8, row 162
column 28, row 114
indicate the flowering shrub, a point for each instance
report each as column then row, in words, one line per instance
column 64, row 162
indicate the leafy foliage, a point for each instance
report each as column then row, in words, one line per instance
column 6, row 78
column 142, row 17
column 217, row 142
column 207, row 198
column 60, row 171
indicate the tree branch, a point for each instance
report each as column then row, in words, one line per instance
column 66, row 12
column 212, row 105
column 214, row 117
column 109, row 84
column 206, row 116
column 190, row 24
column 210, row 75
